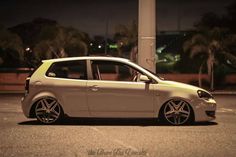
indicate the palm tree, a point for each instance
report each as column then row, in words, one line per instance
column 208, row 44
column 127, row 36
column 65, row 42
column 11, row 41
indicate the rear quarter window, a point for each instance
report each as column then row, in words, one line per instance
column 68, row 69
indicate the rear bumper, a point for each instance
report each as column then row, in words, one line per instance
column 25, row 106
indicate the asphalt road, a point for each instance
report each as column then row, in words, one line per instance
column 23, row 137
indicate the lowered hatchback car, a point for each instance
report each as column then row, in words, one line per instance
column 111, row 87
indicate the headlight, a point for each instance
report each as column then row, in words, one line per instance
column 204, row 95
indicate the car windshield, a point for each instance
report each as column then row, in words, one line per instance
column 161, row 78
column 155, row 74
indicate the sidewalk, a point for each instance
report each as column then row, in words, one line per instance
column 222, row 92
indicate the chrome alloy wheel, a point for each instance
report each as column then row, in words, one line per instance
column 48, row 110
column 177, row 112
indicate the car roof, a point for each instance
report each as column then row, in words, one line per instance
column 87, row 58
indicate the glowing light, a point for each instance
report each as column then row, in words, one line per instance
column 27, row 49
column 228, row 61
column 160, row 49
column 113, row 46
column 99, row 46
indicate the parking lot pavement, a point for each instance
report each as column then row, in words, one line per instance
column 23, row 137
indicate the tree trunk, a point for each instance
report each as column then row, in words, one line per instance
column 212, row 76
column 134, row 54
column 210, row 65
column 210, row 69
column 200, row 75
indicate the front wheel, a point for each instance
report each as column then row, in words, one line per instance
column 177, row 112
column 48, row 110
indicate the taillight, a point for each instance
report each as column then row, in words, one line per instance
column 27, row 84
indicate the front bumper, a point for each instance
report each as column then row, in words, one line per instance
column 204, row 110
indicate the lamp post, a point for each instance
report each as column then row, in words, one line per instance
column 147, row 34
column 28, row 56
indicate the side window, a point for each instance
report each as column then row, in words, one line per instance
column 114, row 71
column 68, row 69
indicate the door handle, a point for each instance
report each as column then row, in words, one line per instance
column 94, row 88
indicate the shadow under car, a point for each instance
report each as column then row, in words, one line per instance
column 114, row 122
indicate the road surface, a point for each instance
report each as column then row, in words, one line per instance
column 21, row 137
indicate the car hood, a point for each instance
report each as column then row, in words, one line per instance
column 181, row 85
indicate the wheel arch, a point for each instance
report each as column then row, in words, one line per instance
column 40, row 96
column 176, row 98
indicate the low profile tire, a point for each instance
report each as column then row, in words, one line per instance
column 177, row 112
column 48, row 111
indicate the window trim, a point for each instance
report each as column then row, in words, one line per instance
column 115, row 61
column 52, row 64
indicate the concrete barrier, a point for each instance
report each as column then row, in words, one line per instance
column 10, row 81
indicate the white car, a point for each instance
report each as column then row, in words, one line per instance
column 111, row 87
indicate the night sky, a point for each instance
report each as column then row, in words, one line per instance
column 91, row 15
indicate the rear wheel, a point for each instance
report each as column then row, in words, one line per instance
column 177, row 112
column 48, row 111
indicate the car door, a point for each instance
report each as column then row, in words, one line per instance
column 68, row 79
column 115, row 92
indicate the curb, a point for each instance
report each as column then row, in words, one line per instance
column 12, row 92
column 224, row 93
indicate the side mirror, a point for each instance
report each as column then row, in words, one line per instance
column 144, row 78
